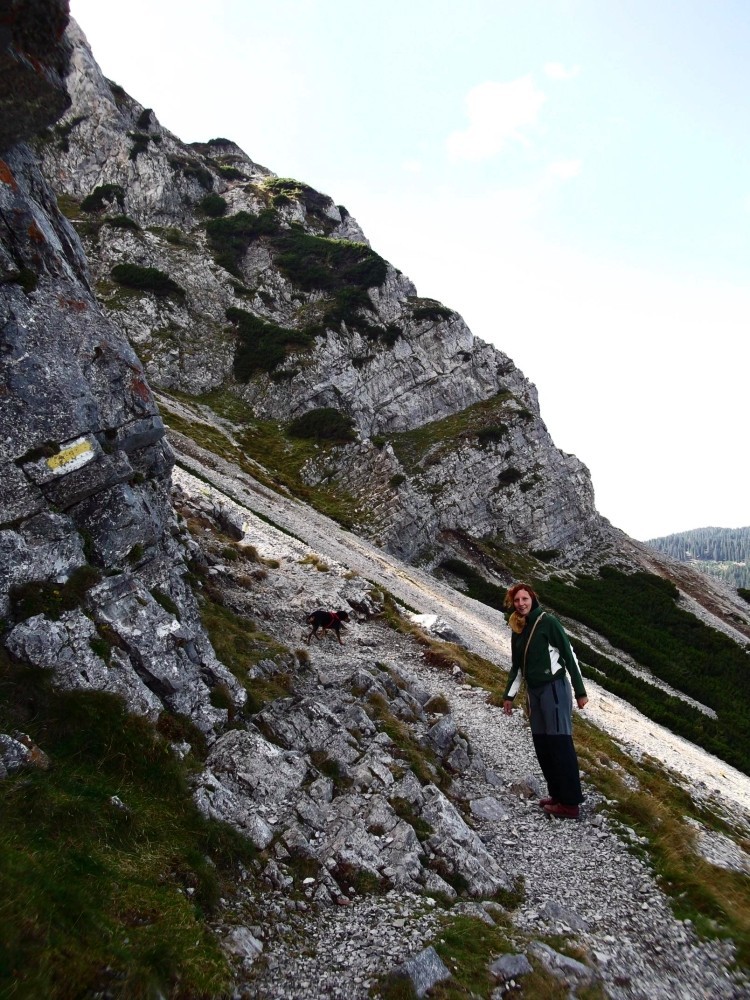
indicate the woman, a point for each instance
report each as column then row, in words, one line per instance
column 541, row 654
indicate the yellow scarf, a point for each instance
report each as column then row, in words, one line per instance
column 517, row 622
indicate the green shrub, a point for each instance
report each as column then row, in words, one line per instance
column 744, row 594
column 326, row 423
column 162, row 598
column 103, row 197
column 193, row 170
column 318, row 263
column 397, row 480
column 52, row 599
column 545, row 555
column 509, row 476
column 283, row 185
column 286, row 190
column 213, row 205
column 229, row 237
column 262, row 346
column 63, row 130
column 477, row 587
column 119, row 93
column 144, row 119
column 231, row 173
column 175, row 236
column 147, row 279
column 101, row 647
column 492, row 434
column 122, row 222
column 431, row 311
column 387, row 334
column 140, row 144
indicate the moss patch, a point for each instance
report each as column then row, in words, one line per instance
column 98, row 898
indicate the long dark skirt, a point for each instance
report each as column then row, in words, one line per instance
column 551, row 716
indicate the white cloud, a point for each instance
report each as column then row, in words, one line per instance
column 498, row 113
column 556, row 71
column 412, row 166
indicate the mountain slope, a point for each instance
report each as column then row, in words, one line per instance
column 194, row 801
column 225, row 276
column 279, row 338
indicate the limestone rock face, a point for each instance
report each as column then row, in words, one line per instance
column 84, row 464
column 33, row 60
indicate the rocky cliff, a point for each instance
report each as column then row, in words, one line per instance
column 89, row 544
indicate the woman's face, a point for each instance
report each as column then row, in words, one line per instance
column 522, row 602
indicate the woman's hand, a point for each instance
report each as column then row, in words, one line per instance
column 508, row 706
column 582, row 701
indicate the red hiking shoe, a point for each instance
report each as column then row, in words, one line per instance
column 549, row 801
column 564, row 812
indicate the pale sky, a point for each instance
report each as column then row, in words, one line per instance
column 569, row 175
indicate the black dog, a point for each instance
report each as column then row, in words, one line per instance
column 326, row 620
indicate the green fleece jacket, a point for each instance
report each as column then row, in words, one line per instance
column 550, row 653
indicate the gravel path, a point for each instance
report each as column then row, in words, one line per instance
column 589, row 880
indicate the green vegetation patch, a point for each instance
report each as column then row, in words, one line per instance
column 230, row 237
column 442, row 436
column 318, row 263
column 509, row 476
column 429, row 310
column 477, row 587
column 213, row 205
column 262, row 345
column 122, row 222
column 50, row 598
column 103, row 197
column 103, row 896
column 668, row 710
column 286, row 189
column 639, row 613
column 240, row 645
column 230, row 173
column 147, row 279
column 62, row 131
column 323, row 424
column 140, row 143
column 343, row 269
column 193, row 170
column 280, row 457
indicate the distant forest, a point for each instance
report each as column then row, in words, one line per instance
column 720, row 552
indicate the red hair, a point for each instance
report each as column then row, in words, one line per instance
column 512, row 591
